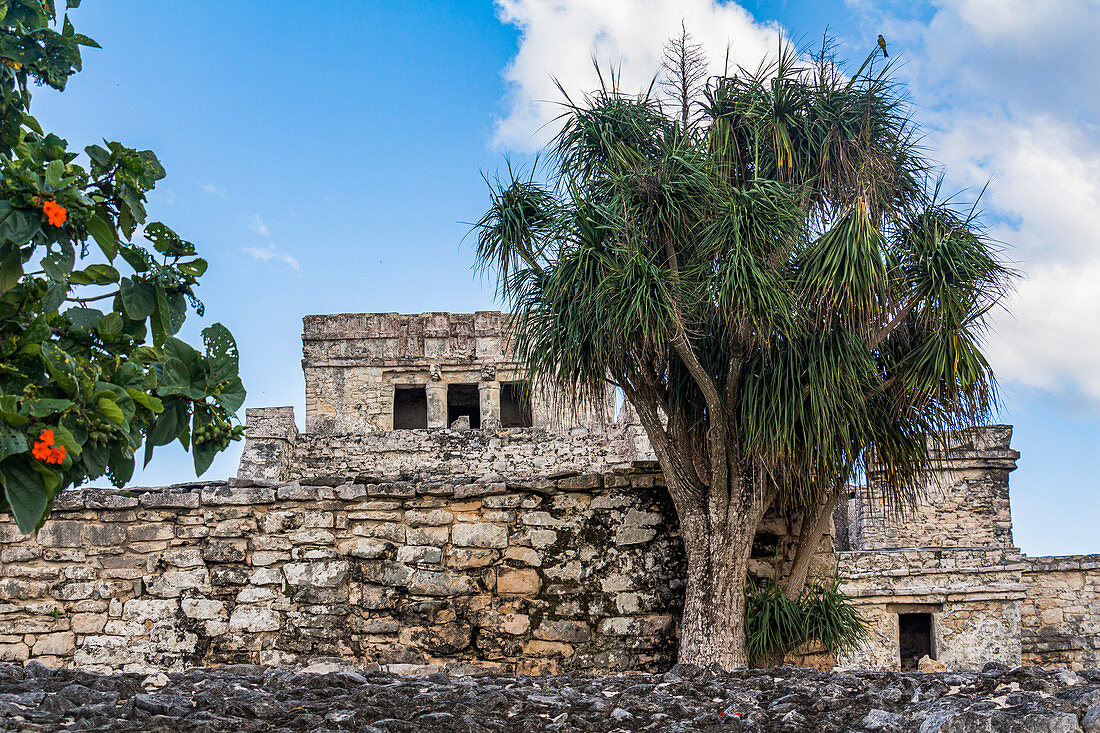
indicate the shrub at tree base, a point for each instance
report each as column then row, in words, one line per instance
column 89, row 364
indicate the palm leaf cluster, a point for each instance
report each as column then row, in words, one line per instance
column 776, row 286
column 822, row 615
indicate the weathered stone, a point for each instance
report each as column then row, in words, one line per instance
column 440, row 583
column 517, row 582
column 202, row 608
column 60, row 644
column 251, row 619
column 223, row 495
column 428, row 517
column 419, row 554
column 479, row 534
column 323, row 574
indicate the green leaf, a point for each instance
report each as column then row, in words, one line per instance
column 111, row 409
column 139, row 299
column 61, row 366
column 11, row 442
column 45, row 407
column 102, row 274
column 194, row 268
column 85, row 320
column 170, row 423
column 121, row 463
column 98, row 155
column 105, row 236
column 111, row 324
column 17, row 226
column 95, row 460
column 63, row 437
column 145, row 399
column 9, row 411
column 11, row 268
column 25, row 490
column 54, row 171
column 58, row 265
column 232, row 396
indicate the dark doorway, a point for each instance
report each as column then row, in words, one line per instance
column 463, row 399
column 914, row 638
column 410, row 408
column 515, row 405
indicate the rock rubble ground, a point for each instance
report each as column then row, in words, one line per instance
column 251, row 698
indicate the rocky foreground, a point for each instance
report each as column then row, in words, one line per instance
column 244, row 698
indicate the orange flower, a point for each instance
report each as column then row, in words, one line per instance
column 45, row 450
column 55, row 212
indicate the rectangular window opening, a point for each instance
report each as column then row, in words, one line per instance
column 410, row 408
column 464, row 400
column 914, row 638
column 515, row 405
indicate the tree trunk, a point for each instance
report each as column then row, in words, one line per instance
column 712, row 628
column 815, row 520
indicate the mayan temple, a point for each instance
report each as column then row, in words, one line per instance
column 439, row 512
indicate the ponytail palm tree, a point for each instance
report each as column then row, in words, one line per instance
column 774, row 288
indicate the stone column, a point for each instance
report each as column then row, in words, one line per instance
column 489, row 396
column 437, row 404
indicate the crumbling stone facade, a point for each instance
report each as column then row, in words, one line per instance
column 540, row 540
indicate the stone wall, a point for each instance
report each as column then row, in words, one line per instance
column 965, row 503
column 973, row 596
column 1061, row 611
column 583, row 572
column 354, row 361
column 275, row 451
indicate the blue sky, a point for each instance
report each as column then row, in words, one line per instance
column 325, row 158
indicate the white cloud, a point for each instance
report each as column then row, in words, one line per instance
column 1004, row 88
column 269, row 253
column 256, row 224
column 213, row 189
column 560, row 37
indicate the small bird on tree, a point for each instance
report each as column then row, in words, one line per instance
column 882, row 45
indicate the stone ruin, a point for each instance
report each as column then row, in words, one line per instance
column 439, row 513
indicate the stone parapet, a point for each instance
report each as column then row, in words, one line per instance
column 579, row 572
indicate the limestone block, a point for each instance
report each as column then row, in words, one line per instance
column 60, row 644
column 172, row 583
column 253, row 619
column 517, row 582
column 391, row 531
column 441, row 583
column 183, row 557
column 322, row 574
column 435, row 536
column 224, row 495
column 87, row 623
column 104, row 535
column 419, row 554
column 540, row 648
column 524, row 555
column 224, row 551
column 480, row 534
column 149, row 609
column 462, row 558
column 365, row 548
column 428, row 517
column 559, row 630
column 150, row 532
column 636, row 626
column 202, row 608
column 17, row 652
column 56, row 533
column 386, row 572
